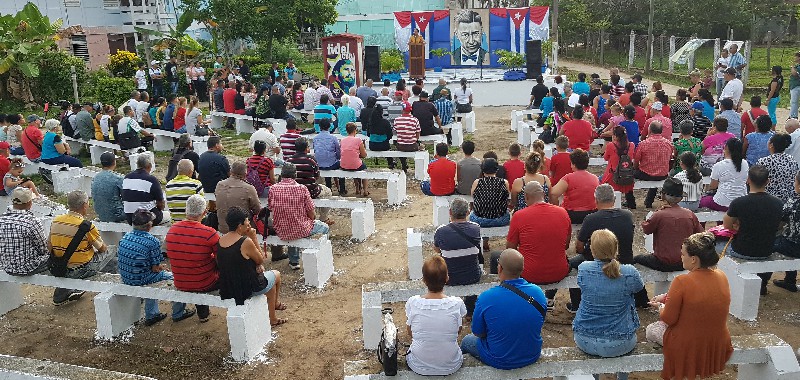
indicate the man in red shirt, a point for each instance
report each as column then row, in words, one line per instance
column 641, row 115
column 442, row 174
column 656, row 114
column 749, row 117
column 651, row 162
column 560, row 164
column 541, row 233
column 515, row 168
column 191, row 248
column 32, row 138
column 229, row 101
column 5, row 164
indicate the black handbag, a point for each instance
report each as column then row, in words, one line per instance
column 387, row 348
column 463, row 108
column 58, row 265
column 201, row 130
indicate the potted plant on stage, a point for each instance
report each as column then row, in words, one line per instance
column 439, row 53
column 513, row 63
column 391, row 64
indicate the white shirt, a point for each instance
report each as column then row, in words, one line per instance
column 732, row 184
column 794, row 149
column 141, row 108
column 262, row 134
column 733, row 90
column 692, row 191
column 356, row 104
column 724, row 62
column 126, row 124
column 133, row 103
column 200, row 72
column 141, row 80
column 104, row 124
column 155, row 72
column 308, row 99
column 191, row 120
column 573, row 100
column 461, row 96
column 434, row 325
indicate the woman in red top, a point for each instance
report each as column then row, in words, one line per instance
column 611, row 155
column 577, row 188
column 583, row 100
column 180, row 115
column 297, row 96
column 579, row 131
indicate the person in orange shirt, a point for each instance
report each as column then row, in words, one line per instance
column 416, row 38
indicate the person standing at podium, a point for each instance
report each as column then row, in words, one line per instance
column 416, row 38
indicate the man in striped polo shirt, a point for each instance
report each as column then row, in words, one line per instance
column 191, row 247
column 180, row 188
column 323, row 111
column 140, row 189
column 408, row 130
column 287, row 139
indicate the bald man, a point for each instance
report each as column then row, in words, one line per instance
column 541, row 232
column 497, row 339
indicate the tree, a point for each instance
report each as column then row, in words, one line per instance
column 24, row 37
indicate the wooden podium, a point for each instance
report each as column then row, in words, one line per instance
column 416, row 60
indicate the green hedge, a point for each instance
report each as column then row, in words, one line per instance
column 55, row 80
column 114, row 91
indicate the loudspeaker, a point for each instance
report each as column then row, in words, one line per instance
column 372, row 63
column 533, row 55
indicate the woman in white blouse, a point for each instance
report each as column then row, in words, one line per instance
column 434, row 321
column 462, row 97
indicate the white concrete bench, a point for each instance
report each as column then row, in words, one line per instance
column 66, row 181
column 759, row 356
column 467, row 120
column 640, row 184
column 317, row 256
column 43, row 210
column 362, row 214
column 97, row 148
column 15, row 367
column 517, row 116
column 164, row 139
column 298, row 114
column 118, row 307
column 395, row 181
column 746, row 285
column 373, row 296
column 421, row 160
column 244, row 123
column 456, row 133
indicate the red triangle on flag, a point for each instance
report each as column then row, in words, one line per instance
column 517, row 16
column 421, row 19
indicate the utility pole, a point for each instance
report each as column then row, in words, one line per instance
column 648, row 65
column 555, row 36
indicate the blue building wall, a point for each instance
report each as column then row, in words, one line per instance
column 379, row 30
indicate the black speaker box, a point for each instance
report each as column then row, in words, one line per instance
column 372, row 63
column 533, row 55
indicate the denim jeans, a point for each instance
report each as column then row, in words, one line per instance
column 151, row 309
column 771, row 107
column 329, row 180
column 469, row 345
column 692, row 206
column 181, row 130
column 485, row 222
column 794, row 100
column 789, row 248
column 173, row 87
column 18, row 151
column 720, row 85
column 606, row 348
column 64, row 159
column 84, row 271
column 294, row 252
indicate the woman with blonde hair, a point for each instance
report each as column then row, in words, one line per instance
column 533, row 166
column 648, row 100
column 606, row 322
column 433, row 322
column 694, row 314
column 697, row 85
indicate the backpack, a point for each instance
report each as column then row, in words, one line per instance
column 623, row 175
column 66, row 126
column 254, row 179
column 147, row 120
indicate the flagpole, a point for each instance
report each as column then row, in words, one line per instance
column 555, row 36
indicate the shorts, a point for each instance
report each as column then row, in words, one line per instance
column 270, row 276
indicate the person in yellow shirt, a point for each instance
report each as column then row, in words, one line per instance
column 416, row 38
column 84, row 262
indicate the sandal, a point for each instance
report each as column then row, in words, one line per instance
column 280, row 306
column 278, row 322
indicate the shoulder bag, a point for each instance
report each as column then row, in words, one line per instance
column 526, row 297
column 387, row 348
column 58, row 265
column 130, row 138
column 472, row 241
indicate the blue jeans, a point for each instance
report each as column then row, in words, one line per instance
column 294, row 252
column 794, row 99
column 64, row 159
column 606, row 348
column 18, row 151
column 151, row 309
column 425, row 186
column 720, row 85
column 693, row 206
column 771, row 107
column 469, row 345
column 181, row 130
column 485, row 222
column 174, row 87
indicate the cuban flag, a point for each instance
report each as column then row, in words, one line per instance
column 402, row 30
column 539, row 23
column 432, row 25
column 422, row 21
column 518, row 28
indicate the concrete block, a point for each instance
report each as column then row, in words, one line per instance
column 66, row 181
column 217, row 121
column 456, row 133
column 75, row 145
column 781, row 365
column 133, row 156
column 396, row 188
column 421, row 162
column 371, row 318
column 163, row 143
column 11, row 296
column 516, row 118
column 115, row 314
column 244, row 125
column 441, row 211
column 468, row 121
column 363, row 222
column 95, row 152
column 745, row 290
column 318, row 264
column 524, row 134
column 248, row 328
column 415, row 255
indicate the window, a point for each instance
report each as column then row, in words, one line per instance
column 110, row 3
column 72, row 3
column 79, row 47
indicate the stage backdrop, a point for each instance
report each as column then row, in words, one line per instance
column 343, row 62
column 471, row 35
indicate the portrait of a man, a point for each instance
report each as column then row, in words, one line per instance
column 343, row 76
column 469, row 46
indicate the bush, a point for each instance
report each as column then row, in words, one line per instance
column 55, row 80
column 114, row 91
column 392, row 60
column 123, row 64
column 261, row 70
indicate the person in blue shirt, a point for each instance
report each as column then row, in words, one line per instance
column 168, row 123
column 606, row 322
column 323, row 111
column 345, row 114
column 547, row 105
column 497, row 339
column 581, row 87
column 630, row 125
column 328, row 152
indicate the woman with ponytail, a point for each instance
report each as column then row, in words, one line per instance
column 728, row 178
column 692, row 181
column 606, row 322
column 533, row 166
column 462, row 97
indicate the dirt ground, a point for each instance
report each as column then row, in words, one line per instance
column 324, row 328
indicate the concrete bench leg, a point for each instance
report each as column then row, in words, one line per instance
column 75, row 146
column 11, row 294
column 244, row 126
column 414, row 241
column 514, row 121
column 441, row 211
column 363, row 222
column 782, row 365
column 33, row 168
column 115, row 314
column 163, row 143
column 421, row 162
column 469, row 122
column 95, row 152
column 745, row 290
column 248, row 328
column 523, row 134
column 371, row 319
column 217, row 122
column 71, row 180
column 132, row 157
column 396, row 188
column 660, row 287
column 318, row 264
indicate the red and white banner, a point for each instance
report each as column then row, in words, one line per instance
column 539, row 23
column 402, row 30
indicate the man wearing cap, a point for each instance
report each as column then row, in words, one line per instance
column 139, row 264
column 701, row 122
column 84, row 123
column 5, row 164
column 32, row 138
column 107, row 185
column 157, row 79
column 140, row 189
column 24, row 250
column 655, row 114
column 408, row 130
column 670, row 226
column 428, row 116
column 734, row 118
column 733, row 88
column 444, row 106
column 88, row 257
